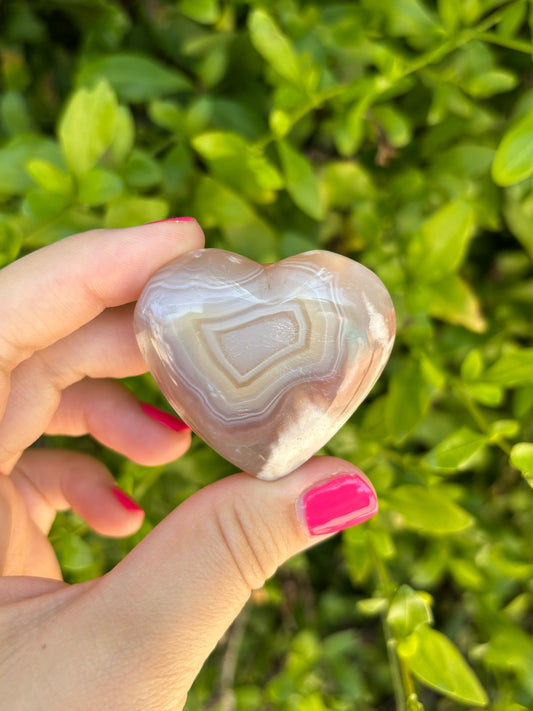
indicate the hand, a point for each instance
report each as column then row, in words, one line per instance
column 137, row 637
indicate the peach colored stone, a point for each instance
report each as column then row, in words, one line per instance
column 265, row 363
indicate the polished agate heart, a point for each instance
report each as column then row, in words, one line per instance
column 265, row 363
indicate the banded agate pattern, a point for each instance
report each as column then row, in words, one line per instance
column 265, row 363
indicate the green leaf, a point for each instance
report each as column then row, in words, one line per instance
column 312, row 702
column 518, row 213
column 504, row 428
column 511, row 19
column 469, row 159
column 351, row 126
column 437, row 663
column 452, row 300
column 15, row 156
column 372, row 606
column 395, row 125
column 409, row 18
column 213, row 66
column 88, row 127
column 198, row 115
column 301, row 181
column 407, row 401
column 99, row 186
column 510, row 649
column 124, row 136
column 413, row 704
column 239, row 164
column 489, row 394
column 472, row 365
column 345, row 182
column 203, row 11
column 508, row 563
column 273, row 45
column 280, row 122
column 245, row 232
column 457, row 448
column 433, row 374
column 128, row 211
column 512, row 369
column 178, row 170
column 69, row 222
column 381, row 542
column 467, row 574
column 408, row 610
column 522, row 459
column 140, row 170
column 43, row 205
column 427, row 510
column 14, row 112
column 134, row 77
column 293, row 243
column 356, row 554
column 495, row 81
column 440, row 245
column 10, row 243
column 513, row 161
column 74, row 553
column 167, row 114
column 449, row 14
column 50, row 178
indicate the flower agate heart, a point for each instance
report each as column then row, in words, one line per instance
column 265, row 363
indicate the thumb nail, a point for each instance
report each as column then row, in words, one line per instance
column 337, row 503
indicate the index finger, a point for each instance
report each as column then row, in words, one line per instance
column 50, row 293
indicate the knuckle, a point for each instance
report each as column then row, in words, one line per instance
column 44, row 368
column 11, row 354
column 8, row 458
column 48, row 366
column 250, row 542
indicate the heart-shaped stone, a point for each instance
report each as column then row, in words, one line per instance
column 265, row 363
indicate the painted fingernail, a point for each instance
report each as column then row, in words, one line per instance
column 124, row 500
column 173, row 219
column 336, row 504
column 164, row 418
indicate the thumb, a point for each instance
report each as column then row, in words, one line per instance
column 180, row 589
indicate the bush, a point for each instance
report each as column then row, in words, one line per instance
column 397, row 133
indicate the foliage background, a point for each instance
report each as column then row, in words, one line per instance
column 400, row 134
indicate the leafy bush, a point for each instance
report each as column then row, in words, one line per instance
column 400, row 134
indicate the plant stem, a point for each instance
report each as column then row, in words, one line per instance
column 431, row 57
column 402, row 681
column 406, row 677
column 508, row 42
column 396, row 672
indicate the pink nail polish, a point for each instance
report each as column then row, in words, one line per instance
column 124, row 500
column 173, row 219
column 164, row 418
column 336, row 504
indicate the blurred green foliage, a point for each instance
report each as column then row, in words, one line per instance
column 397, row 133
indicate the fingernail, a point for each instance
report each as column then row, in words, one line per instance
column 173, row 219
column 164, row 418
column 124, row 500
column 336, row 504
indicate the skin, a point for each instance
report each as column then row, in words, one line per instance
column 137, row 637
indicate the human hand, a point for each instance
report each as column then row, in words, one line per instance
column 137, row 637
